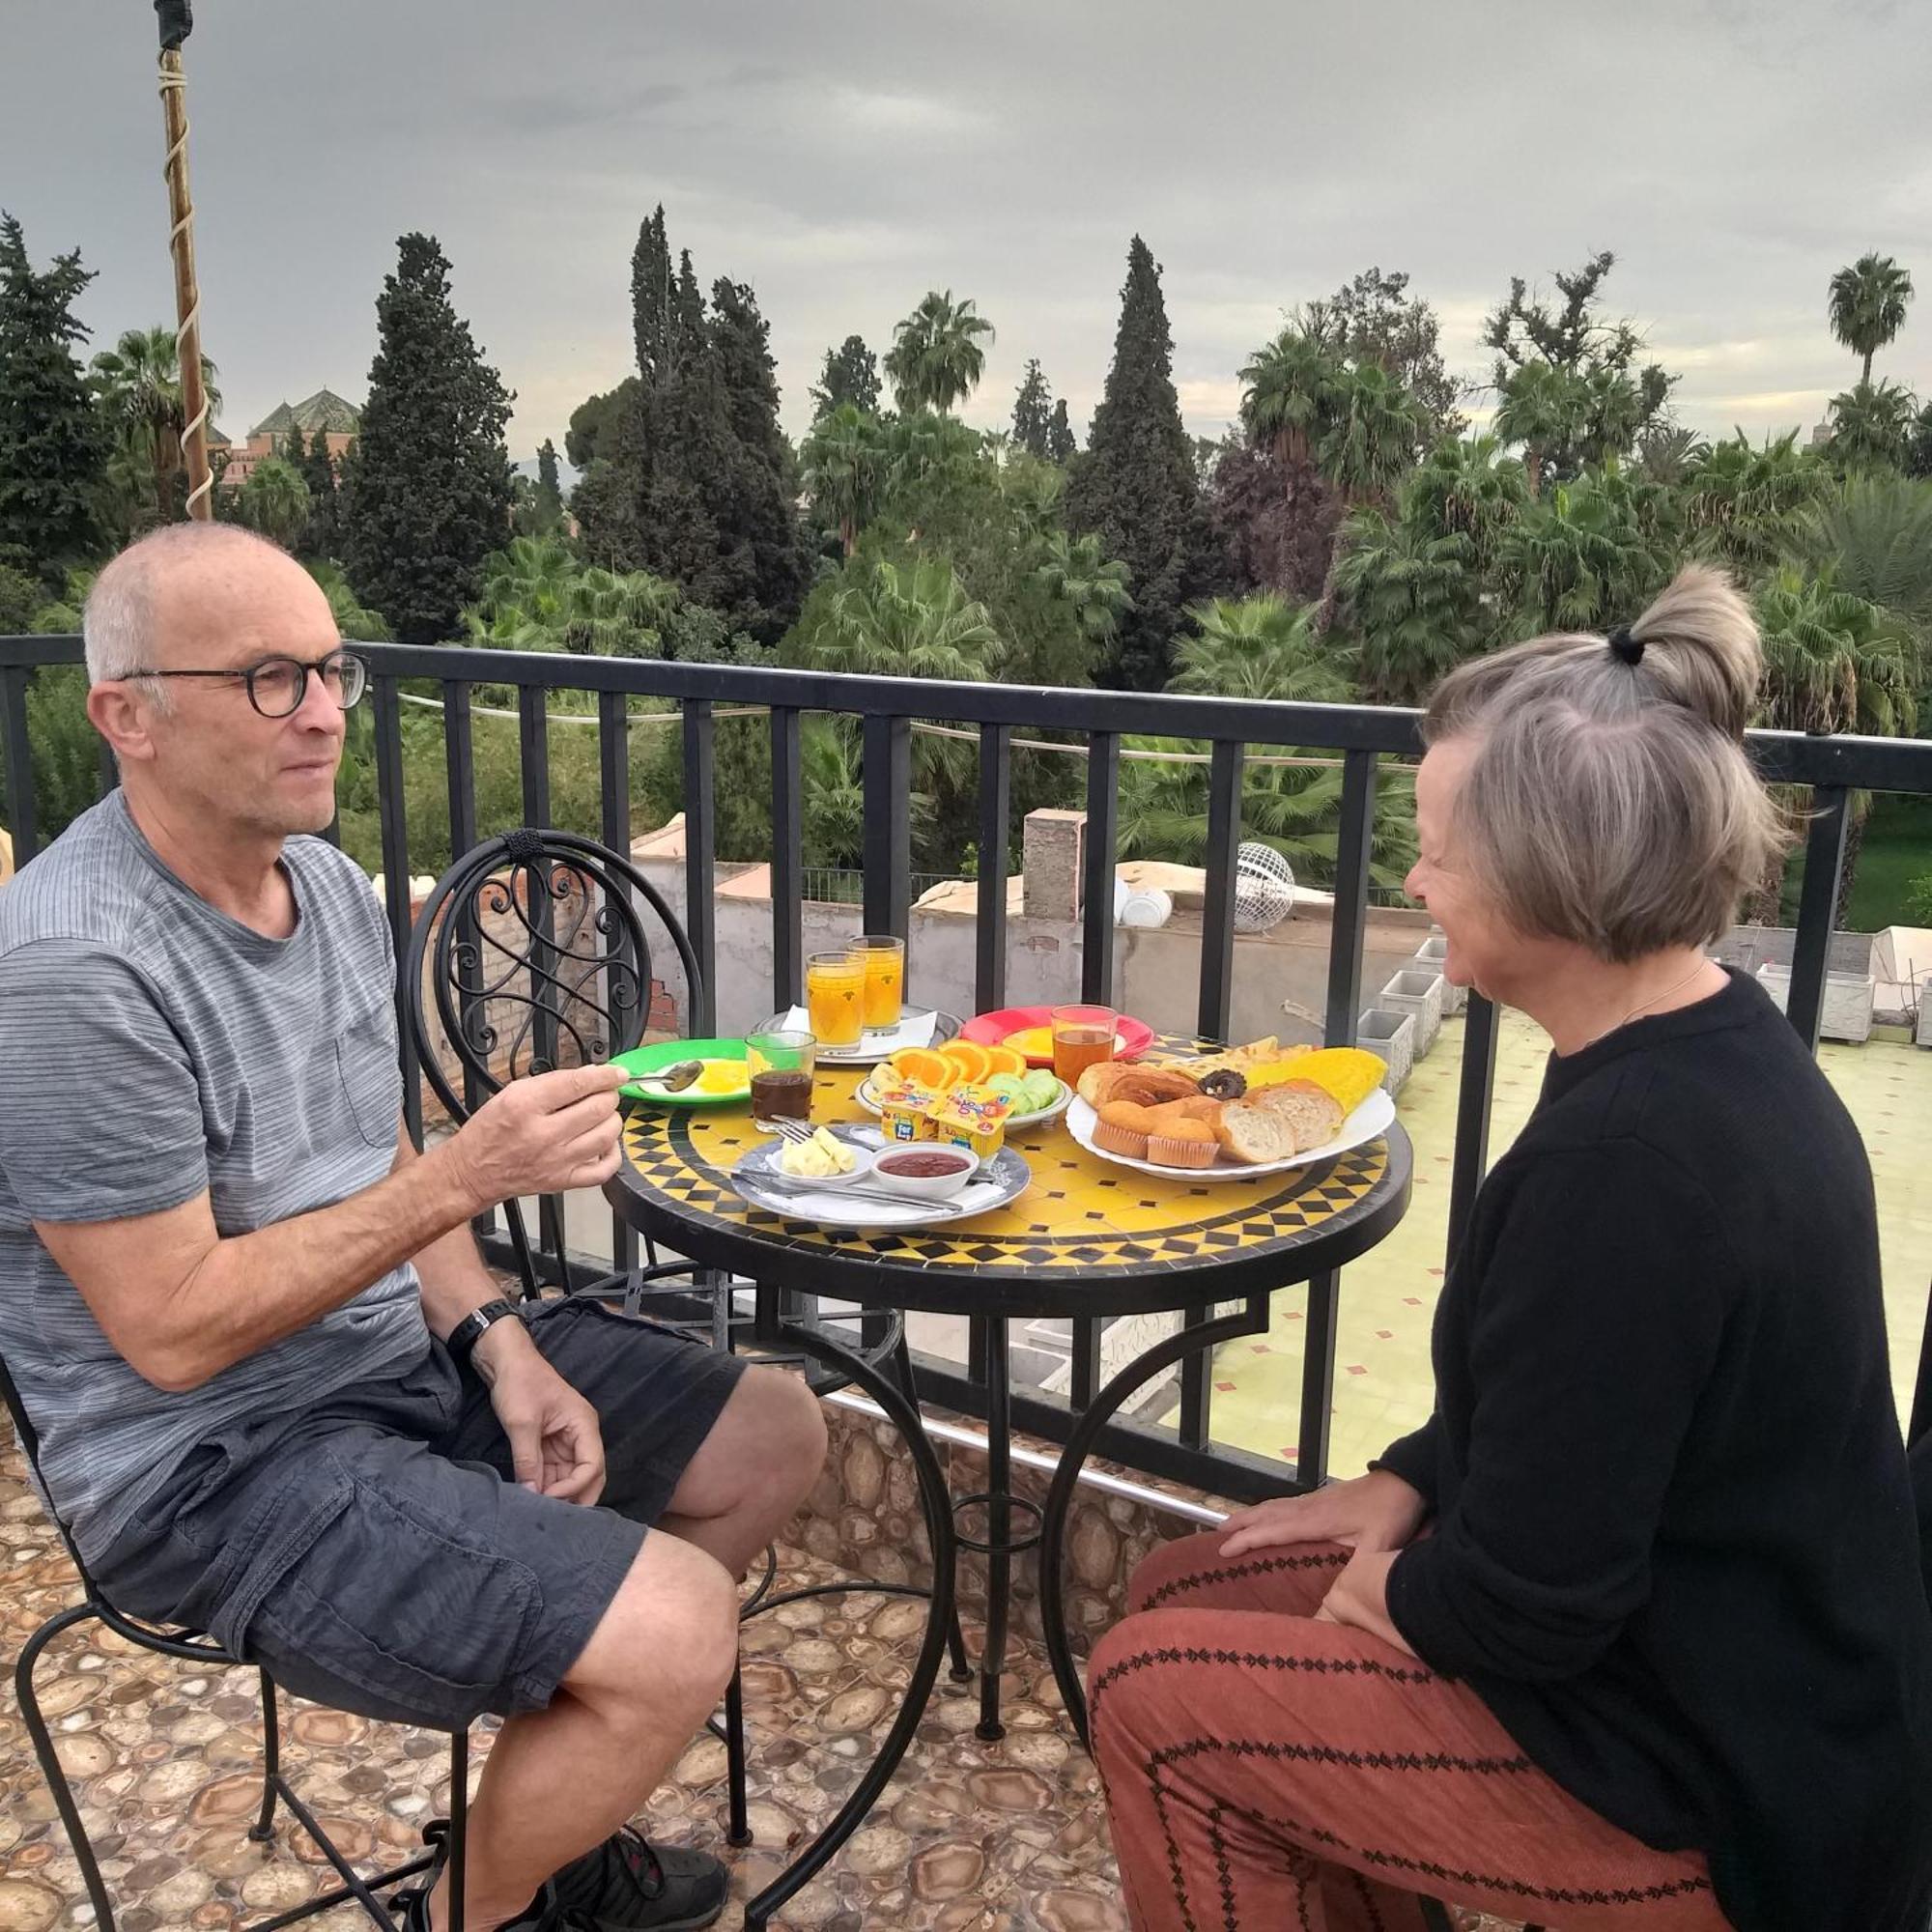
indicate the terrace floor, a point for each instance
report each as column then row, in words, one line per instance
column 1383, row 1385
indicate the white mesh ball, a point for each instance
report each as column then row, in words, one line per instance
column 1264, row 888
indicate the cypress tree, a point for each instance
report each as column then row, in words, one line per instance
column 851, row 375
column 53, row 442
column 295, row 449
column 1136, row 488
column 1033, row 421
column 653, row 298
column 426, row 494
column 550, row 486
column 318, row 471
column 1061, row 447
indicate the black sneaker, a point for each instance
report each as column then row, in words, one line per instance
column 624, row 1884
column 627, row 1885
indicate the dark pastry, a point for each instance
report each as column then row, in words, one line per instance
column 1224, row 1083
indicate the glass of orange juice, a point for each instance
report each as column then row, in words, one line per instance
column 835, row 996
column 1081, row 1036
column 884, row 957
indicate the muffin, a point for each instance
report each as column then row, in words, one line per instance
column 1120, row 1127
column 1182, row 1144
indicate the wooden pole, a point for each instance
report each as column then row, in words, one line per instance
column 187, row 296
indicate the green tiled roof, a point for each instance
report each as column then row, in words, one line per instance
column 323, row 411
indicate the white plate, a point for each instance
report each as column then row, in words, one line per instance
column 1003, row 1179
column 1368, row 1122
column 918, row 1026
column 869, row 1100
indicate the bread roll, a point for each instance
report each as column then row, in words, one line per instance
column 1252, row 1133
column 1310, row 1112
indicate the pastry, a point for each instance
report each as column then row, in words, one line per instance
column 1144, row 1086
column 1122, row 1126
column 1182, row 1144
column 1196, row 1107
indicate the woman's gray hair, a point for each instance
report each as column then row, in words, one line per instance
column 1610, row 801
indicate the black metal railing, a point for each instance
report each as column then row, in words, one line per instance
column 1829, row 768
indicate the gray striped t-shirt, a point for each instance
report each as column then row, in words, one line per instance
column 152, row 1047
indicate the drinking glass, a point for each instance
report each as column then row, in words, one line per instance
column 883, row 958
column 782, row 1061
column 835, row 996
column 1082, row 1036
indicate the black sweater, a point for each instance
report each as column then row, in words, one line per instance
column 1675, row 1547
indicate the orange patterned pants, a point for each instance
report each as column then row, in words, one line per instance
column 1265, row 1771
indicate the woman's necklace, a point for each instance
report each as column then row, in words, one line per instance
column 1656, row 999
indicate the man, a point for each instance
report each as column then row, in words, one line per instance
column 275, row 1393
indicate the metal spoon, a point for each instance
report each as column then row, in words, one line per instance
column 673, row 1079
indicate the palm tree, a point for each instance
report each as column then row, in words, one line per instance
column 841, row 465
column 894, row 621
column 1875, row 534
column 353, row 621
column 1868, row 304
column 1465, row 488
column 936, row 359
column 1871, row 426
column 139, row 383
column 1583, row 559
column 1286, row 395
column 537, row 596
column 1668, row 453
column 1261, row 647
column 835, row 794
column 1540, row 407
column 1751, row 506
column 1074, row 571
column 274, row 501
column 1375, row 429
column 1837, row 663
column 1408, row 600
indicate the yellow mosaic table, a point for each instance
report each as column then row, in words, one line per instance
column 1086, row 1238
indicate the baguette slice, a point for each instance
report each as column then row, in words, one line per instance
column 1252, row 1133
column 1310, row 1113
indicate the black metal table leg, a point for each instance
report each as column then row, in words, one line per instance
column 904, row 1416
column 999, row 1517
column 1253, row 1319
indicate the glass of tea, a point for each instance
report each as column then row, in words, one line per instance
column 884, row 959
column 835, row 996
column 1082, row 1036
column 782, row 1061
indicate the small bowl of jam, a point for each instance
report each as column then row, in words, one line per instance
column 934, row 1171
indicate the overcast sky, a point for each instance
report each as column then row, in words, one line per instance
column 844, row 156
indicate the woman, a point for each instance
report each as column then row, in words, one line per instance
column 1632, row 1632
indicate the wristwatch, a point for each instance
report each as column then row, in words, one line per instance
column 470, row 1330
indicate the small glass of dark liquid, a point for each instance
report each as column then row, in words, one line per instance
column 782, row 1062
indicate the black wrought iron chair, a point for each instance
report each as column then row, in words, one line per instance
column 532, row 953
column 200, row 1648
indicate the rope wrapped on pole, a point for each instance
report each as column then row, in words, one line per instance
column 177, row 22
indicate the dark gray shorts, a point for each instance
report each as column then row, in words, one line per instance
column 377, row 1556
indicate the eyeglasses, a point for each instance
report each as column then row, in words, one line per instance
column 277, row 686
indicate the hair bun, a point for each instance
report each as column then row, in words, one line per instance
column 1702, row 648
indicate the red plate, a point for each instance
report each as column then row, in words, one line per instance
column 1134, row 1036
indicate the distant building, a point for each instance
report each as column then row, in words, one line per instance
column 324, row 411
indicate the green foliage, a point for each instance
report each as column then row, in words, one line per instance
column 1032, row 414
column 1468, row 489
column 1874, row 534
column 1374, row 320
column 1873, row 427
column 549, row 487
column 1835, row 661
column 53, row 441
column 593, row 430
column 1261, row 649
column 1094, row 590
column 1061, row 444
column 1410, row 603
column 21, row 597
column 62, row 750
column 1375, row 427
column 1919, row 906
column 1286, row 390
column 1866, row 304
column 274, row 501
column 318, row 471
column 537, row 596
column 851, row 375
column 1748, row 507
column 138, row 381
column 1584, row 557
column 426, row 493
column 1600, row 402
column 1135, row 487
column 842, row 467
column 353, row 621
column 937, row 358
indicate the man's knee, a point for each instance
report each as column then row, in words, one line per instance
column 801, row 1426
column 668, row 1642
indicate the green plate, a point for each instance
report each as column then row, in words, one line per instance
column 668, row 1052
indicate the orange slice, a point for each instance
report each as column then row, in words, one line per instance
column 1004, row 1059
column 924, row 1067
column 970, row 1059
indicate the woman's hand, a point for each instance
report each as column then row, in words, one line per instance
column 1376, row 1512
column 1358, row 1598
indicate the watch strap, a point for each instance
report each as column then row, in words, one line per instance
column 465, row 1336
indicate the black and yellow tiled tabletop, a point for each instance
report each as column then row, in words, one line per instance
column 1087, row 1236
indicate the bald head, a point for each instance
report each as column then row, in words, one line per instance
column 174, row 584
